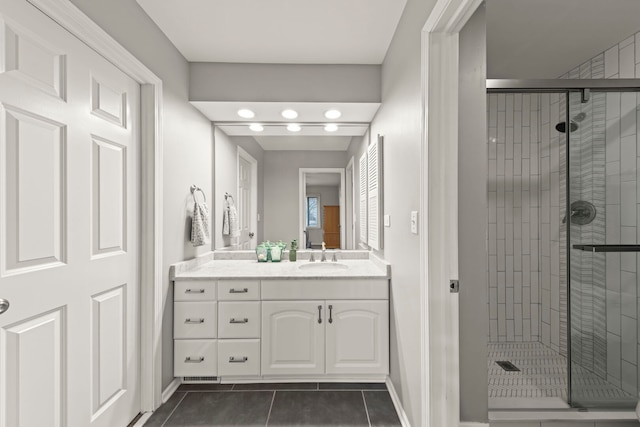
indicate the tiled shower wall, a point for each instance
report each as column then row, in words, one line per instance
column 525, row 292
column 552, row 290
column 514, row 217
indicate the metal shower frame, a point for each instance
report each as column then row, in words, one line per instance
column 565, row 86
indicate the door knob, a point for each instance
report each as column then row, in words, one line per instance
column 251, row 234
column 4, row 305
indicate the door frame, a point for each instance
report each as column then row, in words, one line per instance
column 80, row 25
column 440, row 381
column 242, row 153
column 302, row 191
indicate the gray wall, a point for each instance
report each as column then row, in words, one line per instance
column 399, row 121
column 187, row 138
column 281, row 188
column 284, row 82
column 226, row 180
column 329, row 196
column 473, row 220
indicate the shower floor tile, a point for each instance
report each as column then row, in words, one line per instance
column 542, row 379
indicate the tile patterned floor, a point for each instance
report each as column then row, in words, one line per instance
column 543, row 374
column 305, row 404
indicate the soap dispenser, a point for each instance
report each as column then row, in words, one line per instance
column 293, row 251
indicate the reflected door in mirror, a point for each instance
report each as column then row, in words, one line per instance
column 332, row 227
column 244, row 199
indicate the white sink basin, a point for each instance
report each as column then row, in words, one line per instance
column 325, row 267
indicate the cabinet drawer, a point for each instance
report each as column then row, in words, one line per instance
column 195, row 358
column 194, row 290
column 239, row 319
column 238, row 357
column 195, row 320
column 324, row 289
column 238, row 290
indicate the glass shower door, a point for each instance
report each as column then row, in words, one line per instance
column 601, row 219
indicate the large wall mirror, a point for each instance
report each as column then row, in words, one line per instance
column 276, row 186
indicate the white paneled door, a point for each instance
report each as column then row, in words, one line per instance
column 247, row 200
column 69, row 229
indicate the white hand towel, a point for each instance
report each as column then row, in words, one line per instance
column 234, row 228
column 200, row 224
column 225, row 221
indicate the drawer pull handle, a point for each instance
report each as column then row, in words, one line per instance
column 194, row 291
column 196, row 321
column 238, row 360
column 330, row 313
column 196, row 360
column 245, row 320
column 238, row 291
column 319, row 314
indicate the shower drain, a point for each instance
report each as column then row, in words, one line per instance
column 507, row 366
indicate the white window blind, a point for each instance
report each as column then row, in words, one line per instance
column 374, row 174
column 363, row 197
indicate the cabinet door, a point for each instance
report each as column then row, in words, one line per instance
column 293, row 337
column 357, row 337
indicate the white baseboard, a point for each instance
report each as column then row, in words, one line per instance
column 171, row 388
column 404, row 420
column 143, row 419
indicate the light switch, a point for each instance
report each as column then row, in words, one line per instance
column 414, row 222
column 387, row 220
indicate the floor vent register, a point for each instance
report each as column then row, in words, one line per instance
column 507, row 366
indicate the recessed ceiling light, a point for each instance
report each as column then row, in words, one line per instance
column 293, row 127
column 289, row 114
column 332, row 114
column 245, row 113
column 256, row 127
column 331, row 127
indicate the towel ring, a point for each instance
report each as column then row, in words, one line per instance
column 228, row 196
column 195, row 188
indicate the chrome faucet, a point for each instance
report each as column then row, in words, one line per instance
column 324, row 255
column 311, row 257
column 334, row 258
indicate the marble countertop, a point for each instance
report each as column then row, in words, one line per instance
column 371, row 268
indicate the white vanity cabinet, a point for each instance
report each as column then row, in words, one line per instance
column 336, row 337
column 357, row 337
column 195, row 328
column 277, row 329
column 292, row 337
column 238, row 328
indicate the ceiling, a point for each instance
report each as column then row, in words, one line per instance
column 525, row 39
column 546, row 38
column 278, row 31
